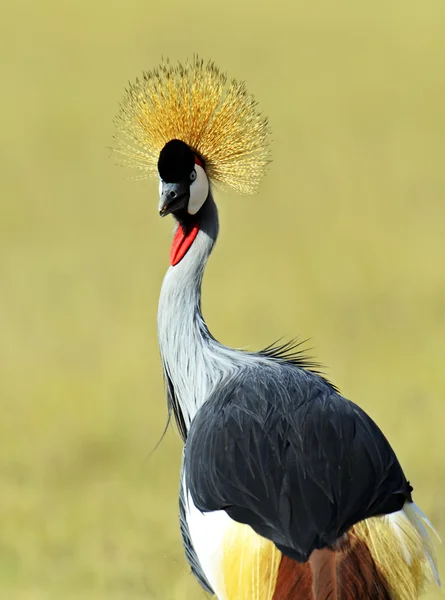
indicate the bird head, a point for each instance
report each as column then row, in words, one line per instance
column 189, row 125
column 183, row 183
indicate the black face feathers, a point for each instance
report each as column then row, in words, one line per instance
column 176, row 161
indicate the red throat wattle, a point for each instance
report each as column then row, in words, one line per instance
column 181, row 244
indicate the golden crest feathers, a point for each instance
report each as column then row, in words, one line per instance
column 194, row 102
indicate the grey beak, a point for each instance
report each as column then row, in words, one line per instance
column 174, row 196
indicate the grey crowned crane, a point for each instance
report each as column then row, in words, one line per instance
column 288, row 490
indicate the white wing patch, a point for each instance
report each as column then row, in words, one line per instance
column 207, row 531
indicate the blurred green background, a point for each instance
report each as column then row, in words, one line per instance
column 345, row 245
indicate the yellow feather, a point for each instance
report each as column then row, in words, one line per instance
column 250, row 565
column 194, row 102
column 404, row 556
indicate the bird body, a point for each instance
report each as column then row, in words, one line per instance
column 277, row 464
column 288, row 490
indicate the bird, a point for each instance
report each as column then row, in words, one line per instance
column 288, row 490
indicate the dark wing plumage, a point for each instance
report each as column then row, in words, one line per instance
column 279, row 449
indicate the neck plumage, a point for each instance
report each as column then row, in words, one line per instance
column 193, row 360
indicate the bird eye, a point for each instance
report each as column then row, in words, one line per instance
column 193, row 175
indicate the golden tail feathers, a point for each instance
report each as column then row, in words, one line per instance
column 383, row 558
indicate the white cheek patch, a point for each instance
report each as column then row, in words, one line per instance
column 161, row 201
column 199, row 190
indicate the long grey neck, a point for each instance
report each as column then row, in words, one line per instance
column 193, row 361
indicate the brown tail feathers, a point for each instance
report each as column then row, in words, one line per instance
column 349, row 573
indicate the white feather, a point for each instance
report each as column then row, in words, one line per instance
column 425, row 519
column 395, row 520
column 207, row 531
column 418, row 521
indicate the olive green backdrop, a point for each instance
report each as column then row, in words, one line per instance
column 345, row 244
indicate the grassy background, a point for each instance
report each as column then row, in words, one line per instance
column 345, row 244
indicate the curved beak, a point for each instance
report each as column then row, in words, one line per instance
column 174, row 196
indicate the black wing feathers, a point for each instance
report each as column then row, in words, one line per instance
column 286, row 454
